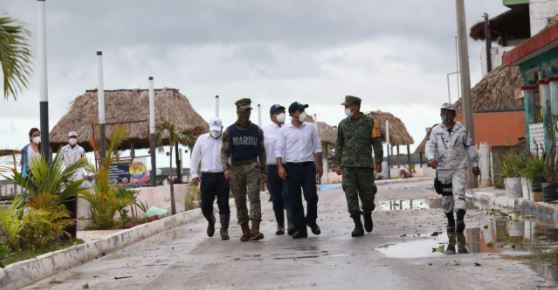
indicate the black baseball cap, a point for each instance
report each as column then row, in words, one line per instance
column 296, row 106
column 275, row 108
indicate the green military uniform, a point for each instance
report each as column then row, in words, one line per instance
column 246, row 166
column 353, row 152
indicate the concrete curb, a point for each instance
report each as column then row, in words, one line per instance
column 403, row 180
column 542, row 211
column 23, row 273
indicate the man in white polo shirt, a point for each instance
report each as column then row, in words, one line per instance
column 72, row 153
column 277, row 186
column 297, row 148
column 207, row 151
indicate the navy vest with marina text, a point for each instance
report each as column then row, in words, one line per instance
column 244, row 143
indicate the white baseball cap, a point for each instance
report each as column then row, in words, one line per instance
column 215, row 124
column 72, row 134
column 448, row 106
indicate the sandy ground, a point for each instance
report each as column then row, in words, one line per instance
column 184, row 258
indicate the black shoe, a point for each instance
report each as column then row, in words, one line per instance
column 462, row 244
column 291, row 230
column 211, row 226
column 315, row 228
column 300, row 235
column 460, row 224
column 224, row 227
column 451, row 222
column 368, row 223
column 359, row 230
column 280, row 230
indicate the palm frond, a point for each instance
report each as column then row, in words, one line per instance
column 15, row 56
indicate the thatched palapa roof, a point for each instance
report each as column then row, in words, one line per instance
column 421, row 148
column 498, row 91
column 327, row 133
column 129, row 107
column 513, row 24
column 398, row 134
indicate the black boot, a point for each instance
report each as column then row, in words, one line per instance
column 460, row 224
column 358, row 231
column 450, row 250
column 210, row 225
column 280, row 230
column 368, row 223
column 451, row 222
column 462, row 244
column 224, row 218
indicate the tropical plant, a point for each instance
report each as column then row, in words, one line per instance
column 50, row 184
column 11, row 224
column 189, row 138
column 105, row 200
column 513, row 163
column 43, row 227
column 534, row 166
column 124, row 193
column 15, row 56
column 167, row 131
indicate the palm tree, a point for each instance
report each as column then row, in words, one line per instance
column 15, row 56
column 167, row 131
column 189, row 138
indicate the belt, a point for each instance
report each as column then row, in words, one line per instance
column 300, row 164
column 243, row 162
column 212, row 173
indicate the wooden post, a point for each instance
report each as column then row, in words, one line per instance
column 398, row 158
column 409, row 157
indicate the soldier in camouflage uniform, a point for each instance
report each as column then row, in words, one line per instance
column 356, row 135
column 244, row 161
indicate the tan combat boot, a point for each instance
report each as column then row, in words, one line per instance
column 245, row 232
column 256, row 235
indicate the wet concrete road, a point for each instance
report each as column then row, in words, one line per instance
column 184, row 258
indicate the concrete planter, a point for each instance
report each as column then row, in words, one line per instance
column 513, row 187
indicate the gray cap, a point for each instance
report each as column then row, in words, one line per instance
column 72, row 134
column 448, row 106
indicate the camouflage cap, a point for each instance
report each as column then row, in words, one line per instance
column 351, row 100
column 243, row 104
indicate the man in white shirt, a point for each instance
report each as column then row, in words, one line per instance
column 72, row 153
column 277, row 186
column 297, row 148
column 207, row 152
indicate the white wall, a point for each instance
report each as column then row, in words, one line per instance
column 539, row 13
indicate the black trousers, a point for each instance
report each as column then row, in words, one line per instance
column 301, row 179
column 279, row 191
column 214, row 185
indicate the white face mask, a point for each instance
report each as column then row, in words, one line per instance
column 36, row 140
column 348, row 112
column 281, row 118
column 73, row 141
column 302, row 117
column 215, row 134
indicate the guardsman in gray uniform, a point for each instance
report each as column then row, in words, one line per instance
column 448, row 150
column 356, row 136
column 244, row 160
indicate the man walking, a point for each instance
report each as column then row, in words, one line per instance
column 243, row 158
column 357, row 134
column 72, row 153
column 277, row 186
column 297, row 148
column 207, row 156
column 448, row 150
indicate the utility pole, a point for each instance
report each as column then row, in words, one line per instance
column 388, row 150
column 153, row 175
column 488, row 40
column 43, row 80
column 101, row 103
column 259, row 115
column 217, row 106
column 465, row 79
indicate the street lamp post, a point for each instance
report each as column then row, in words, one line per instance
column 101, row 103
column 153, row 175
column 43, row 80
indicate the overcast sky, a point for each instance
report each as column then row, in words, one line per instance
column 392, row 54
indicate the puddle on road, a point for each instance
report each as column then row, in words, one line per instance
column 515, row 237
column 409, row 204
